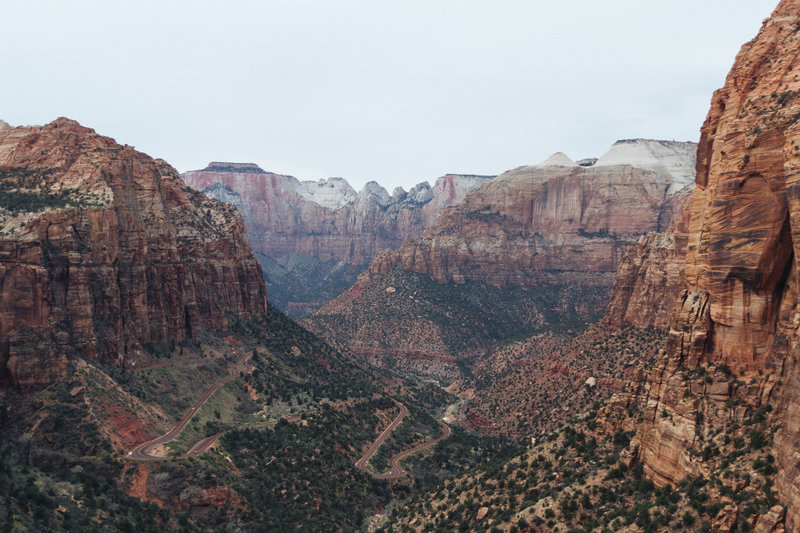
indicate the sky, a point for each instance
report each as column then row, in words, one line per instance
column 393, row 91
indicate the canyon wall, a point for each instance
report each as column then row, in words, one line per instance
column 538, row 224
column 104, row 249
column 732, row 354
column 648, row 279
column 313, row 238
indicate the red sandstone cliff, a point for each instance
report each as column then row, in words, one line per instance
column 103, row 249
column 737, row 315
column 532, row 224
column 647, row 281
column 314, row 237
column 327, row 220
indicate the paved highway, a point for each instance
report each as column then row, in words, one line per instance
column 395, row 471
column 361, row 464
column 140, row 451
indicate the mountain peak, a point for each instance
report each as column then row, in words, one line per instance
column 244, row 168
column 558, row 159
column 675, row 159
column 330, row 193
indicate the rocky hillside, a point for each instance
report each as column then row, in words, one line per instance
column 531, row 387
column 513, row 391
column 313, row 238
column 104, row 249
column 558, row 229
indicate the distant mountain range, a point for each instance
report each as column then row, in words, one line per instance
column 314, row 237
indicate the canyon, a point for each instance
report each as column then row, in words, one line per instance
column 704, row 436
column 314, row 237
column 535, row 247
column 125, row 296
column 617, row 337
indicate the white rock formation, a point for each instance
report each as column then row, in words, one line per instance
column 558, row 159
column 331, row 193
column 673, row 160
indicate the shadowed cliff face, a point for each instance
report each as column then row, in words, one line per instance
column 737, row 316
column 649, row 276
column 103, row 249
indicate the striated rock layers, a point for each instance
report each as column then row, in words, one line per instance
column 558, row 228
column 737, row 315
column 104, row 249
column 648, row 277
column 541, row 224
column 312, row 233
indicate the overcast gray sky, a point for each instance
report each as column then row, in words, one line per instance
column 399, row 92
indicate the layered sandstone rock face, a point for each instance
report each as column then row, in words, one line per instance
column 533, row 224
column 557, row 231
column 103, row 249
column 648, row 278
column 737, row 317
column 312, row 233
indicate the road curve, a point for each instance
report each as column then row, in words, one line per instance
column 361, row 464
column 203, row 446
column 140, row 451
column 396, row 471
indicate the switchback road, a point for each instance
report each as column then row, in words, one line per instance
column 395, row 471
column 140, row 451
column 361, row 464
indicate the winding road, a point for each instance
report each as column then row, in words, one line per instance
column 396, row 471
column 361, row 464
column 140, row 451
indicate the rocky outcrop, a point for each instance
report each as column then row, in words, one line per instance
column 737, row 317
column 647, row 281
column 104, row 249
column 311, row 234
column 538, row 224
